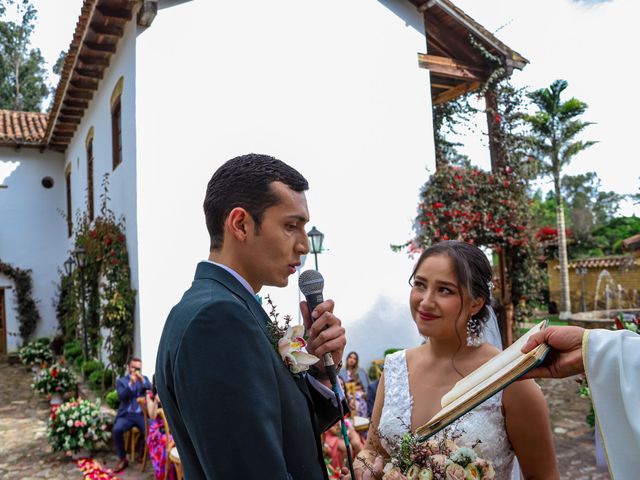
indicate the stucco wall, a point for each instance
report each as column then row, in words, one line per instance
column 122, row 182
column 626, row 294
column 32, row 232
column 334, row 89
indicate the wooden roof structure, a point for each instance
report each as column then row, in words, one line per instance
column 100, row 26
column 455, row 65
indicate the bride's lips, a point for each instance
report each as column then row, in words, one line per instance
column 427, row 317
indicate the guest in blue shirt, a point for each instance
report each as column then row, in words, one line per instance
column 130, row 388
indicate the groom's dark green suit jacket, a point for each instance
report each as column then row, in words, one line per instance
column 234, row 409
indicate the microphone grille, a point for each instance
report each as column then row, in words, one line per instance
column 311, row 282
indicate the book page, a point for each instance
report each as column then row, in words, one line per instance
column 485, row 383
column 496, row 364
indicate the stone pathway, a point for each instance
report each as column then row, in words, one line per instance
column 26, row 455
column 572, row 437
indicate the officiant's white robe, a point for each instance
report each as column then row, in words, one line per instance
column 612, row 364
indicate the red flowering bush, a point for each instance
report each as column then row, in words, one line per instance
column 466, row 203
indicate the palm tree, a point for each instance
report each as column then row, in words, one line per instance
column 554, row 128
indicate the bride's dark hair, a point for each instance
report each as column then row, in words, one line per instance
column 472, row 269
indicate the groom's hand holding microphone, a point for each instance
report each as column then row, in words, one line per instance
column 325, row 330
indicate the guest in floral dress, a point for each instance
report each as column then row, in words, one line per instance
column 157, row 438
column 354, row 373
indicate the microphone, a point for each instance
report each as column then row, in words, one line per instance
column 311, row 284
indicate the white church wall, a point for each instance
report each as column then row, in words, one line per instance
column 122, row 179
column 32, row 232
column 334, row 89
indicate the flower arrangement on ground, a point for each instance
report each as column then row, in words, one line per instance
column 35, row 353
column 621, row 323
column 55, row 379
column 75, row 425
column 435, row 460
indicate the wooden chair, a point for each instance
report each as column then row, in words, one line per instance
column 142, row 401
column 173, row 458
column 131, row 438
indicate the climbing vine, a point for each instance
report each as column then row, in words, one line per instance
column 28, row 315
column 109, row 298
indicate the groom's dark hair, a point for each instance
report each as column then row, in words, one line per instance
column 245, row 182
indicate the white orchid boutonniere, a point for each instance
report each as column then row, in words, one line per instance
column 290, row 349
column 289, row 342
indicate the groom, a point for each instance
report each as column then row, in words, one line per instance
column 234, row 408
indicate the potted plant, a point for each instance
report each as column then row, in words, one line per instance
column 35, row 354
column 55, row 381
column 77, row 425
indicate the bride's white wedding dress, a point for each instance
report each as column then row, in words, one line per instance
column 485, row 423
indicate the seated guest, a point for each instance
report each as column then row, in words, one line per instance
column 353, row 373
column 129, row 388
column 157, row 438
column 371, row 395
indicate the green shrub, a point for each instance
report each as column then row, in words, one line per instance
column 44, row 341
column 389, row 351
column 112, row 399
column 91, row 366
column 71, row 351
column 95, row 379
column 78, row 362
column 108, row 378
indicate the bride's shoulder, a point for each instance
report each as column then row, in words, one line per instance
column 484, row 353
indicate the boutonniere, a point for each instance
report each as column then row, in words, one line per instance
column 289, row 342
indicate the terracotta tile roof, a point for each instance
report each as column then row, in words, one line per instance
column 603, row 262
column 22, row 128
column 632, row 243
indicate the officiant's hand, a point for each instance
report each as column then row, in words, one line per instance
column 326, row 333
column 565, row 358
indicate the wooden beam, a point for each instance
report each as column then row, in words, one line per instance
column 62, row 133
column 69, row 120
column 82, row 94
column 456, row 92
column 114, row 31
column 114, row 12
column 100, row 47
column 72, row 112
column 88, row 73
column 90, row 60
column 426, row 5
column 447, row 67
column 84, row 84
column 453, row 44
column 75, row 103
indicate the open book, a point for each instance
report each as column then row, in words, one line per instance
column 485, row 381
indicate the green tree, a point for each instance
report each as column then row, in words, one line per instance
column 554, row 128
column 22, row 74
column 607, row 240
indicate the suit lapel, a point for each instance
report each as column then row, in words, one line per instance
column 219, row 274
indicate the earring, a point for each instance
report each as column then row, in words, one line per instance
column 474, row 332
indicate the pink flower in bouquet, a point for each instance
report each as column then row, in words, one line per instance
column 455, row 472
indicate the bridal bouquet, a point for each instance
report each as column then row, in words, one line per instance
column 435, row 460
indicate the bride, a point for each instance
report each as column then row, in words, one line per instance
column 449, row 301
